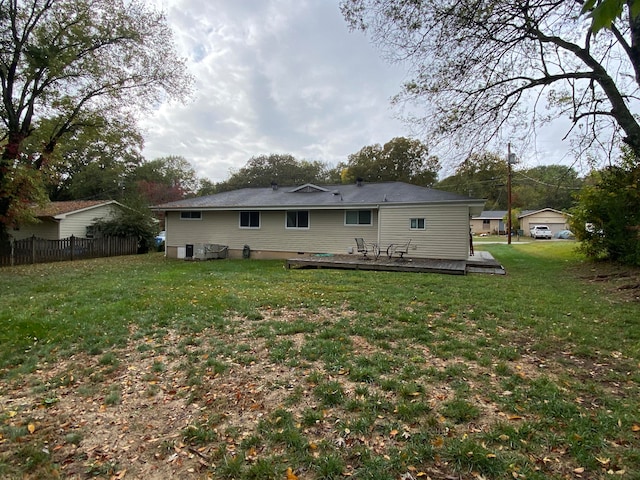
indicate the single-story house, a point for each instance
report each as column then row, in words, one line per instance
column 489, row 221
column 492, row 221
column 281, row 222
column 554, row 219
column 58, row 220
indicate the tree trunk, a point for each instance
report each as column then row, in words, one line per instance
column 10, row 154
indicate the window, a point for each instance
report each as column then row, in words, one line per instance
column 298, row 219
column 417, row 224
column 486, row 223
column 194, row 215
column 250, row 219
column 357, row 217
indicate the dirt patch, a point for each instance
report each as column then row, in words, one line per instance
column 620, row 281
column 160, row 407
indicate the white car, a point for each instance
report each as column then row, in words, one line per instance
column 540, row 231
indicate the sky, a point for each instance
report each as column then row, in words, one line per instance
column 278, row 77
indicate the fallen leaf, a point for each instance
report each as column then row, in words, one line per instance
column 635, row 428
column 578, row 470
column 393, row 433
column 437, row 442
column 291, row 475
column 31, row 427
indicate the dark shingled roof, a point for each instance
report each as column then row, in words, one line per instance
column 320, row 196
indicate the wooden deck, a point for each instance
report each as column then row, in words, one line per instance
column 482, row 262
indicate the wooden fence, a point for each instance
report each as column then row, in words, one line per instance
column 38, row 250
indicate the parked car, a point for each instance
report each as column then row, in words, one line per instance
column 541, row 231
column 161, row 238
column 566, row 234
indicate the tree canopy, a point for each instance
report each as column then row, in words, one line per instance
column 480, row 67
column 607, row 217
column 484, row 175
column 66, row 63
column 283, row 169
column 400, row 159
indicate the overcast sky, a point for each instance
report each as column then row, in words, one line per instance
column 278, row 76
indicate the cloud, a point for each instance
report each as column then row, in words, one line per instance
column 272, row 76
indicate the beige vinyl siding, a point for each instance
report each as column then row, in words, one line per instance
column 47, row 229
column 446, row 235
column 478, row 226
column 554, row 220
column 327, row 232
column 76, row 223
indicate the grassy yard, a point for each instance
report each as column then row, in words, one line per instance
column 142, row 367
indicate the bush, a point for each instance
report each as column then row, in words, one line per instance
column 130, row 222
column 607, row 217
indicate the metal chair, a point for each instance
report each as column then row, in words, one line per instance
column 364, row 248
column 398, row 249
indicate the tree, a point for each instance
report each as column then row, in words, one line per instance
column 90, row 162
column 162, row 180
column 480, row 66
column 481, row 175
column 283, row 169
column 607, row 217
column 68, row 62
column 552, row 186
column 400, row 159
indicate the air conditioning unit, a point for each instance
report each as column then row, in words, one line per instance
column 209, row 251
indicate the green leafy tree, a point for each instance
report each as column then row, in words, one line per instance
column 481, row 67
column 400, row 159
column 546, row 186
column 283, row 169
column 91, row 161
column 162, row 180
column 71, row 62
column 481, row 175
column 607, row 217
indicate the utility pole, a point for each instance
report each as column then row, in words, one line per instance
column 509, row 193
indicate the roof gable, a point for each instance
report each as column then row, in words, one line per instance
column 533, row 212
column 308, row 188
column 62, row 209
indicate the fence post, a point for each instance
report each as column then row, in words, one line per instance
column 72, row 245
column 12, row 253
column 33, row 249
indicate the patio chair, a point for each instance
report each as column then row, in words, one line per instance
column 398, row 249
column 364, row 248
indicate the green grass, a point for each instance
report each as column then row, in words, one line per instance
column 326, row 372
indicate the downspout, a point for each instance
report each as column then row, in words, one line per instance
column 379, row 238
column 166, row 230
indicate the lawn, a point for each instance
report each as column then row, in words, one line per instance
column 143, row 367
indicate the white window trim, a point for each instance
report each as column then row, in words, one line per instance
column 418, row 228
column 191, row 219
column 358, row 224
column 287, row 227
column 250, row 227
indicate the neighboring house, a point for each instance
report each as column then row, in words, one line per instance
column 58, row 220
column 490, row 222
column 554, row 219
column 310, row 219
